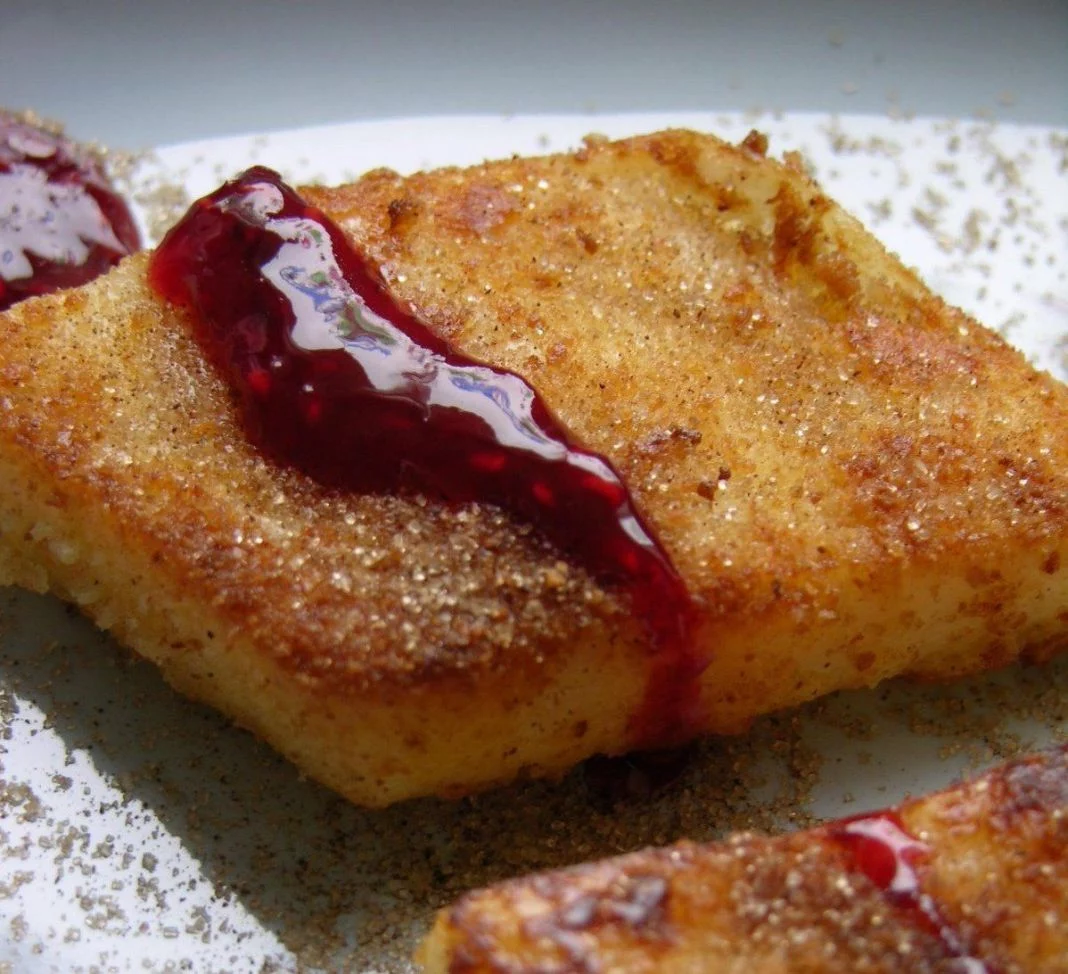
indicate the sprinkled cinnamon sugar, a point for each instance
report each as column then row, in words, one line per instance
column 337, row 886
column 340, row 886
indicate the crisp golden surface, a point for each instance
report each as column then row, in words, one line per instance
column 996, row 872
column 855, row 480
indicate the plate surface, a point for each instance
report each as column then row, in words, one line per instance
column 141, row 832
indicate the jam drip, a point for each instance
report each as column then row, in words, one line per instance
column 61, row 222
column 338, row 379
column 883, row 850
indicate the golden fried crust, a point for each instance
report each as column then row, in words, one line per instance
column 996, row 872
column 1000, row 866
column 122, row 416
column 855, row 480
column 374, row 640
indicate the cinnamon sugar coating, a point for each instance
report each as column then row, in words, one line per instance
column 855, row 480
column 995, row 870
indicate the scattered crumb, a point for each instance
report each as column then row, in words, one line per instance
column 241, row 845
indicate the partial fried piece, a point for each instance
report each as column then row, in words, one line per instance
column 855, row 480
column 992, row 879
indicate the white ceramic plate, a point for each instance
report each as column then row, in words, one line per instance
column 141, row 832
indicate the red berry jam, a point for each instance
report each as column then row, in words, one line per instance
column 335, row 377
column 882, row 849
column 61, row 222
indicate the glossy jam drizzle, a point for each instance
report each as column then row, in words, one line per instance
column 882, row 849
column 336, row 378
column 61, row 223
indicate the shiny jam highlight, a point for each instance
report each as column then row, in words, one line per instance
column 335, row 377
column 61, row 222
column 882, row 849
